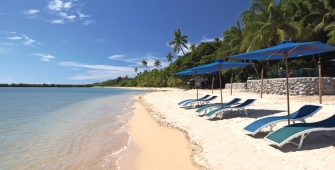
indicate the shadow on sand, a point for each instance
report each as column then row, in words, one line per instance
column 252, row 113
column 315, row 140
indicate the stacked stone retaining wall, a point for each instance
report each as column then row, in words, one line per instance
column 297, row 86
column 236, row 86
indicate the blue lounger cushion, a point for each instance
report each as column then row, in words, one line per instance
column 215, row 105
column 188, row 100
column 289, row 132
column 299, row 115
column 199, row 101
column 241, row 106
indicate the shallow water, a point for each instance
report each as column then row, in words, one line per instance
column 63, row 128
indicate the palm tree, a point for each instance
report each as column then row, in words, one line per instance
column 232, row 39
column 299, row 12
column 232, row 42
column 216, row 39
column 331, row 33
column 324, row 11
column 170, row 57
column 136, row 70
column 265, row 25
column 144, row 63
column 157, row 63
column 192, row 47
column 179, row 41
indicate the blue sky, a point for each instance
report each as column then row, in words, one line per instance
column 87, row 41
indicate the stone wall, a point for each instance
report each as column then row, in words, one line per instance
column 297, row 86
column 236, row 86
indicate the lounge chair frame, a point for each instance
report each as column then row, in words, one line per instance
column 302, row 135
column 287, row 133
column 203, row 110
column 189, row 100
column 193, row 104
column 222, row 111
column 272, row 124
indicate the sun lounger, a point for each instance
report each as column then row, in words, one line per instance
column 271, row 121
column 221, row 111
column 199, row 102
column 287, row 133
column 212, row 106
column 188, row 100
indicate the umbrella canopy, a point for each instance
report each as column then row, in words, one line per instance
column 286, row 46
column 287, row 49
column 217, row 66
column 189, row 72
column 213, row 67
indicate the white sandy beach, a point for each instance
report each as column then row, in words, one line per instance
column 221, row 144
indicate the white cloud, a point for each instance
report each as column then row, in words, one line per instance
column 136, row 60
column 150, row 59
column 205, row 39
column 184, row 49
column 88, row 22
column 64, row 15
column 10, row 32
column 28, row 41
column 114, row 57
column 31, row 11
column 9, row 44
column 81, row 15
column 14, row 38
column 99, row 72
column 62, row 11
column 57, row 21
column 58, row 5
column 45, row 57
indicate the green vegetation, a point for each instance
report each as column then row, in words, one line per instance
column 265, row 24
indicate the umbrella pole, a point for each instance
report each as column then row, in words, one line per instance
column 287, row 88
column 231, row 83
column 320, row 81
column 219, row 66
column 262, row 83
column 212, row 83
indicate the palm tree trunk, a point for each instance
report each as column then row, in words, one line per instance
column 315, row 63
column 253, row 65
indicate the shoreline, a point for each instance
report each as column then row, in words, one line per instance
column 208, row 139
column 160, row 147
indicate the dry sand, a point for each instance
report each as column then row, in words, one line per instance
column 221, row 144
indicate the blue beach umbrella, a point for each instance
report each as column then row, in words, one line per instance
column 189, row 72
column 216, row 66
column 284, row 50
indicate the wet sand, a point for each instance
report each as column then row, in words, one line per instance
column 153, row 146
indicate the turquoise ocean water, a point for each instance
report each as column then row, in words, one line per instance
column 63, row 128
